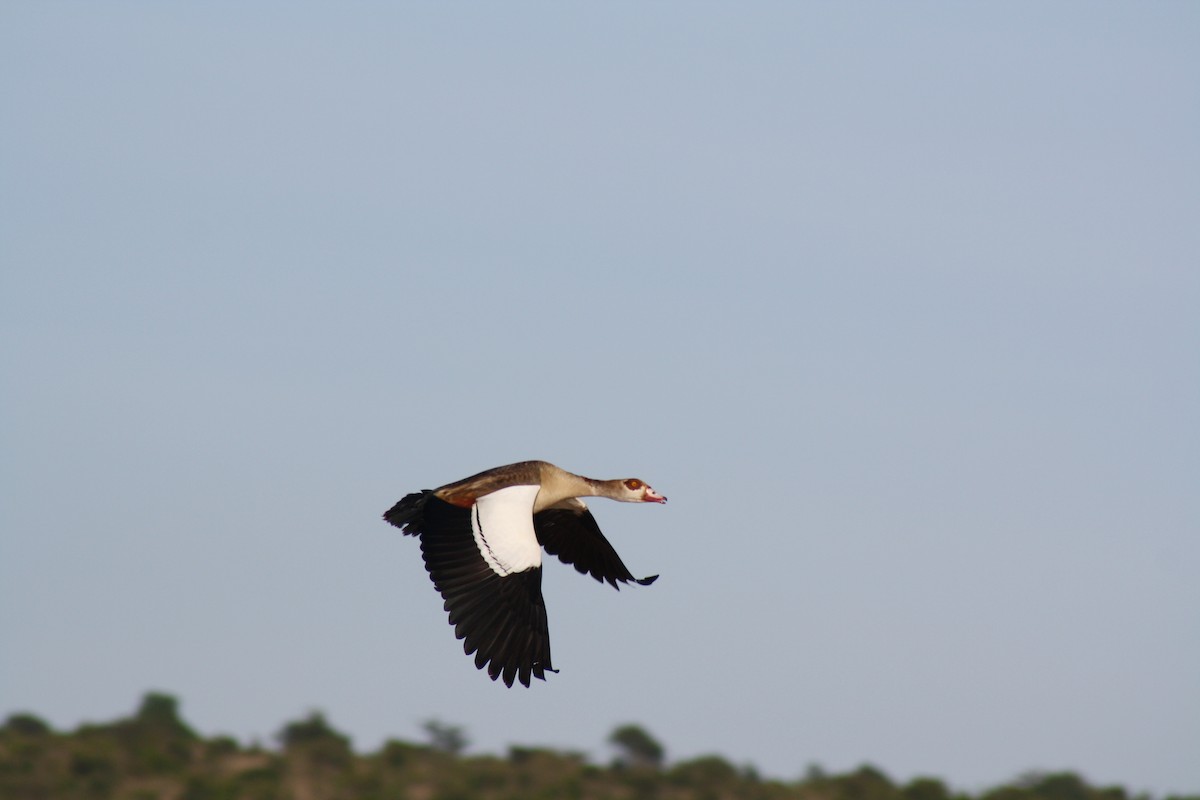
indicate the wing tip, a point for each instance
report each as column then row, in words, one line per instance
column 616, row 582
column 512, row 673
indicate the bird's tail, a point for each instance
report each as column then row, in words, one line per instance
column 409, row 514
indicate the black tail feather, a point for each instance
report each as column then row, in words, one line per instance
column 409, row 514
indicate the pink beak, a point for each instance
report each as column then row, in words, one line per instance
column 651, row 496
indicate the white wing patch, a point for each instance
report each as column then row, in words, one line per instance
column 503, row 526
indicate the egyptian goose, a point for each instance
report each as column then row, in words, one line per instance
column 482, row 540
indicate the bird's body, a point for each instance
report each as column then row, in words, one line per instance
column 482, row 540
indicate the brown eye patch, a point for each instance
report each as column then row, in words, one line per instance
column 633, row 484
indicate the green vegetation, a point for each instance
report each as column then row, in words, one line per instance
column 638, row 748
column 154, row 755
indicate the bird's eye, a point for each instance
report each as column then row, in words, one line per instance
column 633, row 484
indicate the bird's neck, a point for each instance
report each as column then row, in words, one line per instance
column 559, row 485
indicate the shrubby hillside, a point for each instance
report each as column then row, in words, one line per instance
column 154, row 755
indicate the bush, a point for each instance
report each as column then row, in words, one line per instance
column 925, row 789
column 307, row 731
column 704, row 771
column 865, row 783
column 25, row 725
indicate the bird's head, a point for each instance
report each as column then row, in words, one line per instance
column 634, row 490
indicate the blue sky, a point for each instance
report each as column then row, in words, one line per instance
column 897, row 305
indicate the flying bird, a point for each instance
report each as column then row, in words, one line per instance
column 482, row 540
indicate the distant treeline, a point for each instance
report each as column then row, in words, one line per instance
column 154, row 755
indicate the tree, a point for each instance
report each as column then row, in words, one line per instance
column 316, row 743
column 155, row 739
column 26, row 725
column 814, row 773
column 160, row 712
column 637, row 747
column 445, row 738
column 865, row 783
column 705, row 772
column 1061, row 786
column 925, row 789
column 313, row 729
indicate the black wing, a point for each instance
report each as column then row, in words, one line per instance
column 500, row 619
column 570, row 532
